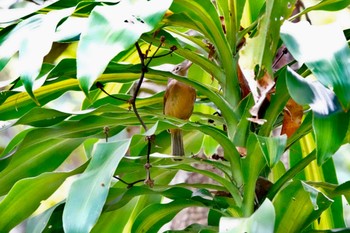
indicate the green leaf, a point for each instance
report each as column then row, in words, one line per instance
column 261, row 49
column 112, row 29
column 202, row 16
column 329, row 118
column 41, row 117
column 272, row 148
column 262, row 221
column 326, row 57
column 305, row 204
column 35, row 159
column 32, row 48
column 26, row 195
column 89, row 192
column 252, row 166
column 153, row 217
column 37, row 223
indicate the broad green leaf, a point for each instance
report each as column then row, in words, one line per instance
column 262, row 221
column 153, row 217
column 37, row 223
column 32, row 48
column 89, row 192
column 41, row 117
column 252, row 165
column 118, row 221
column 126, row 195
column 272, row 148
column 304, row 206
column 112, row 29
column 33, row 160
column 328, row 119
column 26, row 195
column 326, row 56
column 260, row 50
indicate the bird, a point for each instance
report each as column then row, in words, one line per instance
column 179, row 99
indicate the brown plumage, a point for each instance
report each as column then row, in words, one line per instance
column 179, row 101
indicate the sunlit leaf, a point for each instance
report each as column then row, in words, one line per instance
column 153, row 217
column 329, row 118
column 260, row 50
column 26, row 195
column 35, row 159
column 304, row 206
column 40, row 117
column 262, row 221
column 112, row 29
column 89, row 192
column 326, row 56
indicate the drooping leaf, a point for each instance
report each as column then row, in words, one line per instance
column 89, row 192
column 112, row 29
column 326, row 56
column 262, row 221
column 329, row 117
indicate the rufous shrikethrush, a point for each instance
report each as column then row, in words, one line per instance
column 179, row 101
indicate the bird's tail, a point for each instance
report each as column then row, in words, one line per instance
column 177, row 144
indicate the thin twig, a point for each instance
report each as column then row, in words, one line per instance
column 100, row 86
column 129, row 185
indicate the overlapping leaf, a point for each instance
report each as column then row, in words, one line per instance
column 305, row 204
column 112, row 29
column 89, row 192
column 329, row 118
column 326, row 56
column 262, row 221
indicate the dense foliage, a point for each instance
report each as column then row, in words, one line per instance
column 253, row 100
